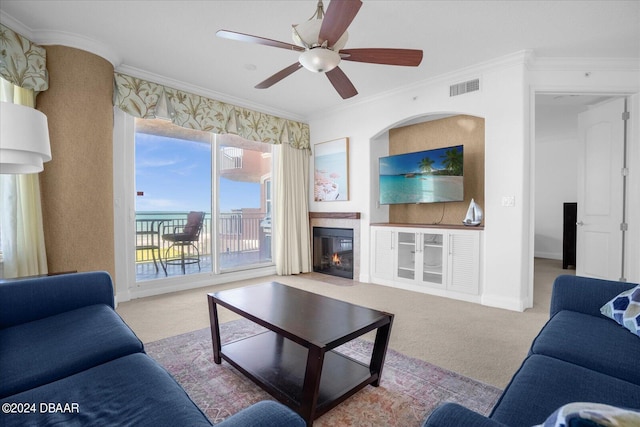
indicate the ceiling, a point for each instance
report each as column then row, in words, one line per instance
column 175, row 40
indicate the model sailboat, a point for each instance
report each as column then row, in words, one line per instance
column 474, row 214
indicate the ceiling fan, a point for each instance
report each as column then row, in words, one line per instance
column 321, row 41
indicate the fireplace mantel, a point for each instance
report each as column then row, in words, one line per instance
column 336, row 215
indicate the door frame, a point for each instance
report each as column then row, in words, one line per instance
column 633, row 181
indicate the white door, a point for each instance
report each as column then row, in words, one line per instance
column 600, row 162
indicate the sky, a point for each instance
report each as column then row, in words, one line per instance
column 410, row 162
column 175, row 175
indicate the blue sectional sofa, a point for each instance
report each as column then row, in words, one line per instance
column 67, row 358
column 579, row 356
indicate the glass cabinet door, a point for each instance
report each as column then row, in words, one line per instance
column 432, row 258
column 406, row 254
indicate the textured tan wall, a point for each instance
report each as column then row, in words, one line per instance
column 77, row 184
column 456, row 130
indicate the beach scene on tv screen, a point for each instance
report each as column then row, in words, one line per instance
column 422, row 177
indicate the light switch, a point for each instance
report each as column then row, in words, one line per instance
column 508, row 201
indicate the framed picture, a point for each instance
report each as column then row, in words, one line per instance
column 331, row 171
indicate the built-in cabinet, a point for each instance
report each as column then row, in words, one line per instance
column 419, row 258
column 442, row 261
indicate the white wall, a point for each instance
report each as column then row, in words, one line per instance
column 505, row 100
column 605, row 77
column 556, row 171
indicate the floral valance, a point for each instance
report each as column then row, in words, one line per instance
column 22, row 62
column 147, row 100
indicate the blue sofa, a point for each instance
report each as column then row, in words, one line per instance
column 67, row 358
column 578, row 356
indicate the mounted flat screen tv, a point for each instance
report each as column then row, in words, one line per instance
column 428, row 176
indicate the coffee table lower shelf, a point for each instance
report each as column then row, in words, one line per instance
column 278, row 365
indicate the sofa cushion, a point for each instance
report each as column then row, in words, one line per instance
column 454, row 415
column 45, row 350
column 594, row 342
column 543, row 384
column 625, row 309
column 266, row 413
column 34, row 298
column 130, row 391
column 589, row 414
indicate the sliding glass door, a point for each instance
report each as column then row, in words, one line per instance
column 173, row 171
column 180, row 172
column 244, row 202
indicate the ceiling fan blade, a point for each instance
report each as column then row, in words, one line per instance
column 337, row 19
column 341, row 83
column 279, row 76
column 232, row 35
column 406, row 57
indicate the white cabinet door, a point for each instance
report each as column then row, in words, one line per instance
column 432, row 262
column 464, row 261
column 420, row 258
column 383, row 256
column 439, row 261
column 406, row 255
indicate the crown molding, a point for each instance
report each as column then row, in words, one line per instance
column 198, row 90
column 521, row 57
column 15, row 25
column 50, row 37
column 579, row 64
column 45, row 38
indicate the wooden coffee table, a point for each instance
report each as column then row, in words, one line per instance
column 293, row 360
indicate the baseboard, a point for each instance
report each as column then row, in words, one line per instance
column 548, row 255
column 177, row 283
column 445, row 293
column 497, row 301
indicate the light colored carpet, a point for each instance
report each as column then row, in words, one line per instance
column 409, row 389
column 484, row 343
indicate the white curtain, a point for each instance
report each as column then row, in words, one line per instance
column 23, row 249
column 292, row 240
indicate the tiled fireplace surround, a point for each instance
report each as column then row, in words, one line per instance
column 340, row 220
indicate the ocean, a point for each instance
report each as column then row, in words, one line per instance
column 420, row 189
column 171, row 218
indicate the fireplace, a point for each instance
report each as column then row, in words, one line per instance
column 333, row 251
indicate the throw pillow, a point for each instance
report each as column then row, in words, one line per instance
column 625, row 309
column 585, row 414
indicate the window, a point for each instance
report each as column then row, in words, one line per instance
column 179, row 170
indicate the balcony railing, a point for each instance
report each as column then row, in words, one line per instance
column 239, row 233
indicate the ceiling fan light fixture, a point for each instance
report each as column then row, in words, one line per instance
column 319, row 60
column 321, row 40
column 307, row 35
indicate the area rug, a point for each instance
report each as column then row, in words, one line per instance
column 410, row 389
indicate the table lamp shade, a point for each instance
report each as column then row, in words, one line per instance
column 24, row 139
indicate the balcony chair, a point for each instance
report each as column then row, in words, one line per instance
column 185, row 238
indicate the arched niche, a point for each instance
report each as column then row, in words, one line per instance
column 424, row 132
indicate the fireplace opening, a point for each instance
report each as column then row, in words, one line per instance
column 333, row 251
